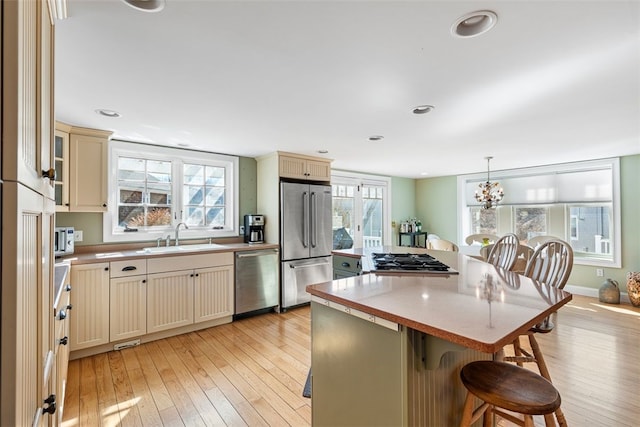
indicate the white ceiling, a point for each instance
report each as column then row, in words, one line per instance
column 553, row 82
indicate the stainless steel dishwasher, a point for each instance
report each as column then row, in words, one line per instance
column 257, row 280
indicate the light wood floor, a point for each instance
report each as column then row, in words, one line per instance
column 252, row 372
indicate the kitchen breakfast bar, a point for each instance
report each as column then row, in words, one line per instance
column 387, row 348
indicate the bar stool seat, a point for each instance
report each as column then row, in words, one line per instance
column 502, row 385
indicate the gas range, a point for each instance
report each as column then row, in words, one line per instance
column 394, row 263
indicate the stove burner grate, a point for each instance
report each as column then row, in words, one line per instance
column 408, row 263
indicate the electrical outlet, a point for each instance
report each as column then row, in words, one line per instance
column 393, row 224
column 77, row 236
column 599, row 272
column 242, row 230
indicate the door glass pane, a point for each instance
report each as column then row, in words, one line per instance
column 343, row 216
column 372, row 224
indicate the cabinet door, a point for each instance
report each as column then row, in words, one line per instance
column 292, row 167
column 169, row 300
column 61, row 343
column 27, row 358
column 318, row 170
column 90, row 300
column 88, row 173
column 213, row 293
column 128, row 307
column 27, row 94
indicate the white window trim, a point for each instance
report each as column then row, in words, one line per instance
column 354, row 178
column 614, row 163
column 178, row 157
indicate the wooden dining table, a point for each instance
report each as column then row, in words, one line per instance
column 387, row 349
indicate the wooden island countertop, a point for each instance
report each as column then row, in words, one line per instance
column 456, row 308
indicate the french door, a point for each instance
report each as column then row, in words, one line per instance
column 360, row 211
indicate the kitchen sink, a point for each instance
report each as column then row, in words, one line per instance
column 182, row 248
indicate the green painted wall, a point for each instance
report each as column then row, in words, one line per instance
column 91, row 223
column 403, row 203
column 436, row 205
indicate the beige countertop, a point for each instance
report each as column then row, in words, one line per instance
column 108, row 253
column 458, row 308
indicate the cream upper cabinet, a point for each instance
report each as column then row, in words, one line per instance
column 81, row 168
column 61, row 158
column 88, row 170
column 304, row 167
column 27, row 95
column 89, row 324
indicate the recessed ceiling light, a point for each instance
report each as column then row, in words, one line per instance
column 376, row 138
column 146, row 5
column 474, row 23
column 423, row 109
column 108, row 113
column 424, row 173
column 323, row 151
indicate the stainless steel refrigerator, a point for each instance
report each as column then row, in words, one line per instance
column 305, row 239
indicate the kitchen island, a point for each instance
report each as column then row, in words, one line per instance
column 387, row 348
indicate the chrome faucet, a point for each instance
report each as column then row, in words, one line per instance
column 178, row 232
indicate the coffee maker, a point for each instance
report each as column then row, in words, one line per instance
column 254, row 229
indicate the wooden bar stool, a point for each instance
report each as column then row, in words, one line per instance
column 505, row 386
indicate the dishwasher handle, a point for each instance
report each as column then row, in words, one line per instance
column 253, row 254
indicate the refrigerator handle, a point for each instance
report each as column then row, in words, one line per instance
column 313, row 229
column 305, row 219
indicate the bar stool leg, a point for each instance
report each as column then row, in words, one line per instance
column 544, row 371
column 467, row 412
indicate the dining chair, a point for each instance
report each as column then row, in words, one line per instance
column 534, row 242
column 442, row 245
column 549, row 267
column 523, row 255
column 504, row 252
column 479, row 238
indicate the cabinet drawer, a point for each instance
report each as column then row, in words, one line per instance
column 133, row 267
column 345, row 263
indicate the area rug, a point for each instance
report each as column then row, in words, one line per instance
column 306, row 392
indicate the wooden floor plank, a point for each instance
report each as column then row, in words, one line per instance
column 251, row 372
column 143, row 398
column 180, row 398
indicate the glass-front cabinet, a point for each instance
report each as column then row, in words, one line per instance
column 61, row 156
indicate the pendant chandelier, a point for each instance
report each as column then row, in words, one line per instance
column 489, row 193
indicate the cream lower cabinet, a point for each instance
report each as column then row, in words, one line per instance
column 188, row 289
column 169, row 300
column 90, row 300
column 61, row 343
column 127, row 299
column 213, row 293
column 127, row 307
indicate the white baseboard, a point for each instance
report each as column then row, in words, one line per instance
column 590, row 292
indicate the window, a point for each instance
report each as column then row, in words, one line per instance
column 530, row 222
column 360, row 209
column 577, row 202
column 591, row 230
column 152, row 189
column 483, row 221
column 144, row 193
